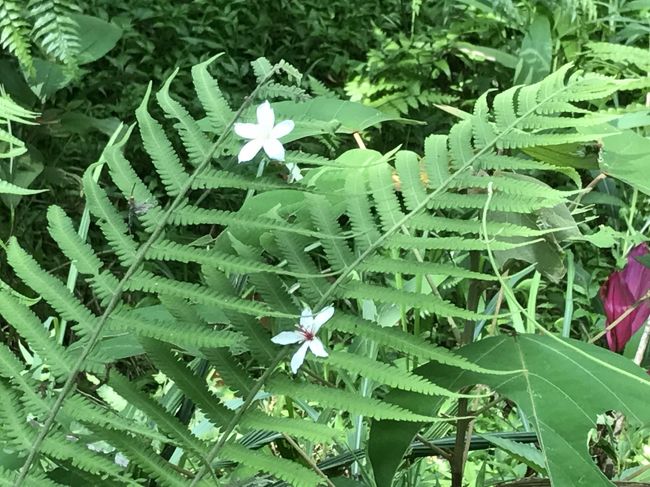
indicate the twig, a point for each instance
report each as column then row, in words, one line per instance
column 307, row 459
column 624, row 315
column 212, row 454
column 461, row 446
column 643, row 344
column 587, row 189
column 444, row 454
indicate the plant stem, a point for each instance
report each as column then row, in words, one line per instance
column 307, row 459
column 643, row 344
column 119, row 289
column 461, row 446
column 212, row 454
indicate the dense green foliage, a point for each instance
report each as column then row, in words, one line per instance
column 473, row 171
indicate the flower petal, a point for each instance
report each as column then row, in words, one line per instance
column 247, row 130
column 635, row 274
column 306, row 318
column 616, row 299
column 287, row 338
column 282, row 129
column 249, row 150
column 299, row 357
column 294, row 172
column 321, row 318
column 316, row 347
column 274, row 149
column 265, row 117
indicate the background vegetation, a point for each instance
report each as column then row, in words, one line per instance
column 72, row 72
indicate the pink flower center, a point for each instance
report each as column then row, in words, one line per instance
column 308, row 334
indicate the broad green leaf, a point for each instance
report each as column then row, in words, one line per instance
column 626, row 156
column 562, row 385
column 96, row 37
column 536, row 52
column 346, row 116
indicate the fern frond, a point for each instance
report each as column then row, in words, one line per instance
column 385, row 374
column 291, row 472
column 620, row 54
column 187, row 334
column 31, row 329
column 443, row 243
column 300, row 262
column 196, row 144
column 109, row 221
column 358, row 210
column 214, row 179
column 145, row 281
column 14, row 32
column 298, row 427
column 147, row 459
column 193, row 386
column 387, row 265
column 171, row 251
column 166, row 421
column 399, row 340
column 51, row 288
column 7, row 478
column 54, row 28
column 324, row 219
column 425, row 302
column 215, row 105
column 257, row 339
column 344, row 400
column 163, row 156
column 80, row 253
column 230, row 370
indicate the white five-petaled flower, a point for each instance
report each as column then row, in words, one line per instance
column 305, row 333
column 263, row 135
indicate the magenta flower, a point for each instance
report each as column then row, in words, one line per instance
column 621, row 290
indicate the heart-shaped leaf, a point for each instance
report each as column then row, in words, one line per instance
column 561, row 385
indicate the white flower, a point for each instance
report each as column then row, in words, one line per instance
column 294, row 172
column 263, row 135
column 306, row 334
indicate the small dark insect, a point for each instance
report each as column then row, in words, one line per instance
column 137, row 208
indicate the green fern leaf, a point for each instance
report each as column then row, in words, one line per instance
column 51, row 288
column 55, row 29
column 166, row 422
column 207, row 89
column 343, row 400
column 397, row 339
column 187, row 334
column 29, row 327
column 193, row 386
column 195, row 142
column 80, row 253
column 110, row 222
column 408, row 168
column 324, row 219
column 14, row 32
column 424, row 302
column 147, row 459
column 387, row 265
column 298, row 427
column 145, row 281
column 291, row 472
column 230, row 370
column 163, row 156
column 215, row 179
column 386, row 374
column 300, row 262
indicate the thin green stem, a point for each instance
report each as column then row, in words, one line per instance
column 119, row 289
column 214, row 451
